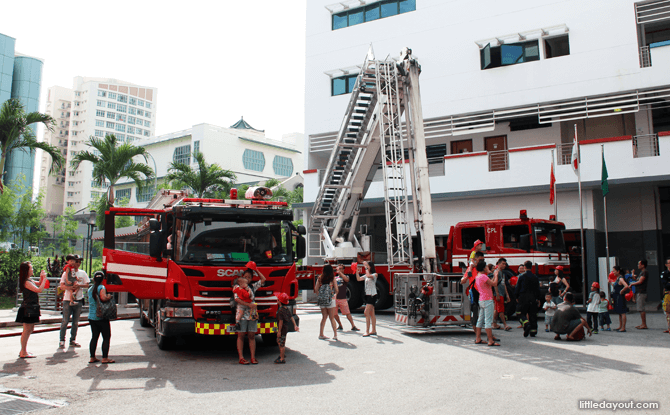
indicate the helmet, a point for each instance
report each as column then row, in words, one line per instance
column 595, row 285
column 559, row 267
column 477, row 242
column 611, row 277
column 513, row 281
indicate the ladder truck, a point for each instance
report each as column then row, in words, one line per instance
column 383, row 125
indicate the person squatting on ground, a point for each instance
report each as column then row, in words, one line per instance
column 619, row 289
column 641, row 293
column 284, row 317
column 98, row 325
column 603, row 313
column 341, row 301
column 485, row 286
column 502, row 295
column 29, row 311
column 370, row 281
column 549, row 311
column 248, row 325
column 528, row 298
column 567, row 320
column 326, row 288
column 73, row 294
column 593, row 307
column 469, row 281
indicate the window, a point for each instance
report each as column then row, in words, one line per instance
column 121, row 128
column 148, row 105
column 100, row 103
column 147, row 114
column 512, row 235
column 132, row 110
column 120, row 117
column 131, row 120
column 109, row 124
column 121, row 108
column 182, row 154
column 130, row 139
column 131, row 130
column 111, row 105
column 146, row 194
column 140, row 112
column 140, row 102
column 509, row 54
column 470, row 235
column 70, row 184
column 138, row 131
column 342, row 85
column 112, row 95
column 111, row 115
column 122, row 98
column 120, row 137
column 253, row 160
column 147, row 123
column 123, row 194
column 73, row 153
column 95, row 195
column 282, row 166
column 132, row 101
column 99, row 133
column 196, row 147
column 99, row 123
column 382, row 9
column 70, row 194
column 102, row 93
column 145, row 133
column 556, row 46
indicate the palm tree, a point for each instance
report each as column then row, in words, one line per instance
column 16, row 134
column 111, row 162
column 206, row 179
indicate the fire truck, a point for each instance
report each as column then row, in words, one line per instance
column 187, row 252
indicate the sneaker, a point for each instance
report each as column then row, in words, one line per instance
column 74, row 344
column 595, row 331
column 61, row 345
column 608, row 329
column 547, row 330
column 340, row 328
column 526, row 330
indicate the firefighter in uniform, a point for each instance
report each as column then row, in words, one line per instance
column 527, row 294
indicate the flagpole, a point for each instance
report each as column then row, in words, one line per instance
column 555, row 191
column 581, row 222
column 607, row 243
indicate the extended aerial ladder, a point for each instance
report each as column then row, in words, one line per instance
column 383, row 125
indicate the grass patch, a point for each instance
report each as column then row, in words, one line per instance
column 7, row 303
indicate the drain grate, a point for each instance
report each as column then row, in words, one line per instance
column 19, row 406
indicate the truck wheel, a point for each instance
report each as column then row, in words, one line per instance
column 384, row 299
column 164, row 343
column 144, row 321
column 269, row 339
column 355, row 294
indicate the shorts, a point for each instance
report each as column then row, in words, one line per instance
column 330, row 305
column 371, row 299
column 281, row 341
column 485, row 319
column 604, row 319
column 500, row 305
column 343, row 306
column 640, row 301
column 248, row 326
column 547, row 319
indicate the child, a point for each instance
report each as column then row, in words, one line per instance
column 284, row 316
column 549, row 310
column 71, row 280
column 593, row 309
column 666, row 304
column 603, row 312
column 242, row 291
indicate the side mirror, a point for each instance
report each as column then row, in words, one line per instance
column 154, row 225
column 302, row 230
column 155, row 247
column 524, row 242
column 301, row 246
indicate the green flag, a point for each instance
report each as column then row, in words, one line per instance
column 603, row 180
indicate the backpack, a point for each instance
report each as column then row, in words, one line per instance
column 474, row 294
column 325, row 296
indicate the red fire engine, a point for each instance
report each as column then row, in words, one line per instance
column 182, row 262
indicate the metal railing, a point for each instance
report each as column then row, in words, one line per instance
column 498, row 160
column 564, row 153
column 436, row 167
column 645, row 146
column 50, row 299
column 645, row 57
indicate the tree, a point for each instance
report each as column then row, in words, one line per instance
column 15, row 134
column 65, row 229
column 7, row 207
column 111, row 162
column 205, row 180
column 28, row 218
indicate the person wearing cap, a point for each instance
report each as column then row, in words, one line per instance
column 593, row 307
column 248, row 325
column 284, row 317
column 559, row 286
column 73, row 299
column 478, row 246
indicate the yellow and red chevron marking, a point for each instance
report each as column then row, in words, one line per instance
column 435, row 319
column 218, row 329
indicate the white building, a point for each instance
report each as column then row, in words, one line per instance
column 503, row 85
column 245, row 151
column 93, row 107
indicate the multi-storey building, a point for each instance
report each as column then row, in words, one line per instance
column 504, row 86
column 97, row 107
column 20, row 78
column 240, row 148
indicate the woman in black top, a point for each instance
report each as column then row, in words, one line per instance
column 29, row 312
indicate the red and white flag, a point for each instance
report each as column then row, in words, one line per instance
column 575, row 155
column 552, row 184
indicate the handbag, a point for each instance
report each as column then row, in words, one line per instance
column 31, row 310
column 106, row 310
column 610, row 307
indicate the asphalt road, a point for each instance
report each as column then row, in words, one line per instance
column 392, row 373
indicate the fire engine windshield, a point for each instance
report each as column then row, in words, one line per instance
column 549, row 237
column 208, row 241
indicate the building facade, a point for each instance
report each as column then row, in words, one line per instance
column 504, row 87
column 96, row 107
column 240, row 148
column 20, row 78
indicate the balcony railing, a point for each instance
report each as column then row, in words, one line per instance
column 645, row 57
column 645, row 146
column 498, row 160
column 564, row 153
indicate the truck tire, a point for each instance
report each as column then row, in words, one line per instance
column 384, row 298
column 164, row 343
column 355, row 294
column 144, row 321
column 269, row 339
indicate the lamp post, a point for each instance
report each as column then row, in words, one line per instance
column 90, row 225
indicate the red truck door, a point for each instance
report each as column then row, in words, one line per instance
column 141, row 275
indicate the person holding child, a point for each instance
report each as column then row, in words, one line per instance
column 73, row 298
column 248, row 324
column 284, row 317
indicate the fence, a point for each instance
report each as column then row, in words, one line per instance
column 498, row 160
column 645, row 145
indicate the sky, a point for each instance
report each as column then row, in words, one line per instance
column 212, row 61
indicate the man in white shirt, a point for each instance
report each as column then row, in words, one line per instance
column 77, row 290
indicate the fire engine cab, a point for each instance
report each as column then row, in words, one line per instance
column 185, row 256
